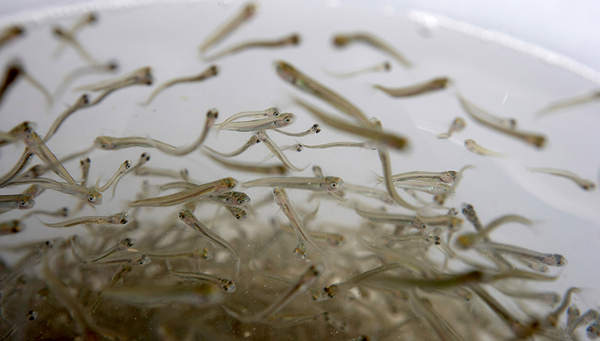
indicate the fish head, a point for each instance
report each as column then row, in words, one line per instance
column 25, row 202
column 285, row 119
column 94, row 197
column 333, row 183
column 105, row 142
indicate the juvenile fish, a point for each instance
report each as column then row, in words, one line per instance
column 66, row 36
column 333, row 290
column 569, row 102
column 231, row 198
column 114, row 180
column 11, row 33
column 139, row 76
column 473, row 147
column 446, row 220
column 114, row 143
column 123, row 245
column 550, row 298
column 503, row 125
column 306, row 279
column 18, row 201
column 163, row 172
column 519, row 252
column 380, row 67
column 136, row 259
column 280, row 121
column 62, row 212
column 37, row 146
column 14, row 70
column 264, row 138
column 458, row 124
column 328, row 183
column 237, row 212
column 11, row 227
column 142, row 76
column 379, row 136
column 315, row 129
column 125, row 270
column 208, row 73
column 467, row 240
column 423, row 186
column 270, row 112
column 251, row 142
column 341, row 40
column 248, row 167
column 190, row 219
column 224, row 284
column 115, row 219
column 200, row 191
column 332, row 239
column 81, row 102
column 87, row 19
column 583, row 183
column 288, row 73
column 446, row 177
column 417, row 89
column 289, row 40
column 282, row 200
column 108, row 67
column 211, row 117
column 230, row 25
column 87, row 195
column 386, row 165
column 404, row 219
column 17, row 133
column 144, row 158
column 424, row 309
column 365, row 145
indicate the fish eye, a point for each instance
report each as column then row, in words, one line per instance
column 240, row 201
column 181, row 216
column 104, row 145
column 23, row 203
column 333, row 185
column 287, row 119
column 123, row 221
column 91, row 198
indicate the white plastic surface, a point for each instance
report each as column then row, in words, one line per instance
column 500, row 79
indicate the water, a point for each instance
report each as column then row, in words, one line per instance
column 500, row 79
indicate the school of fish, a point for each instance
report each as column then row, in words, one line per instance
column 191, row 259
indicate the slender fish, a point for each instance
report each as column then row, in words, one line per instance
column 246, row 13
column 200, row 191
column 289, row 73
column 115, row 219
column 208, row 73
column 417, row 89
column 306, row 279
column 379, row 67
column 289, row 40
column 477, row 149
column 341, row 40
column 366, row 130
column 583, row 183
